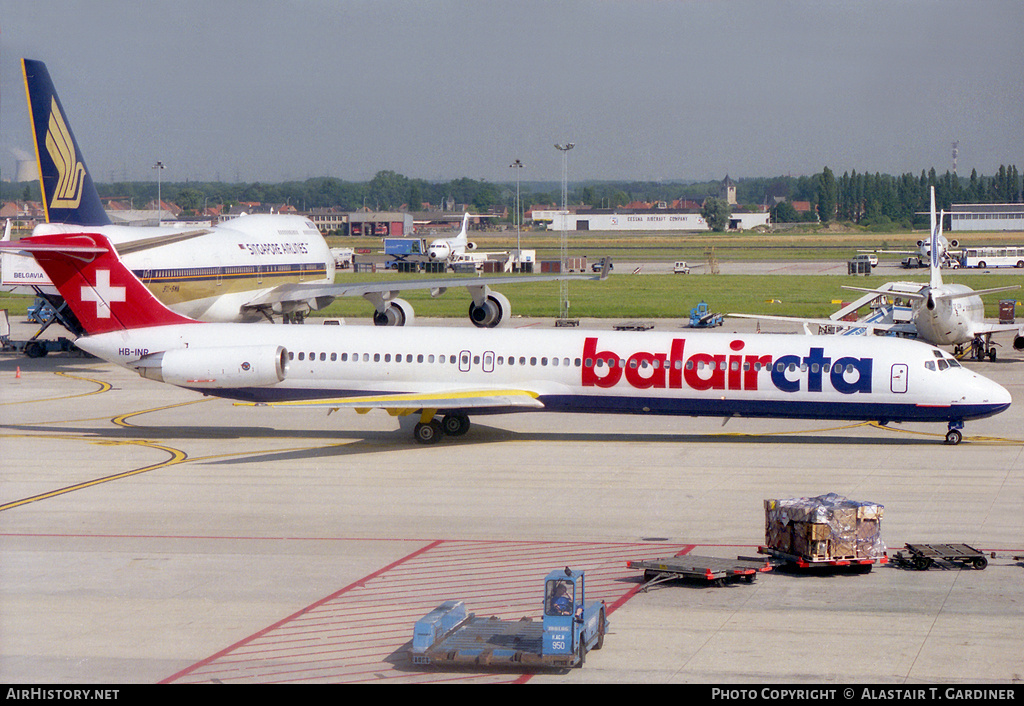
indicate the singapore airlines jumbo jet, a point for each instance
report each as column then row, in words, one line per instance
column 446, row 373
column 254, row 267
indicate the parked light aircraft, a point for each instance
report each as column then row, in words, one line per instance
column 431, row 371
column 250, row 268
column 941, row 314
column 448, row 249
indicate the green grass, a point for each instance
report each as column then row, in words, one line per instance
column 814, row 242
column 625, row 296
column 671, row 296
column 647, row 296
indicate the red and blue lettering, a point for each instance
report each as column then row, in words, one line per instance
column 734, row 371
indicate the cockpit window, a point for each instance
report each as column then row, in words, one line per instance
column 943, row 364
column 954, row 363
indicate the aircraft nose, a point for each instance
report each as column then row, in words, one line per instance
column 991, row 392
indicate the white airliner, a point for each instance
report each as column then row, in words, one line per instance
column 941, row 314
column 448, row 249
column 251, row 268
column 443, row 375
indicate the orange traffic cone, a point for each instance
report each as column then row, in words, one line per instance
column 17, row 373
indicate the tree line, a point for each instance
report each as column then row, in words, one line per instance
column 873, row 200
column 881, row 200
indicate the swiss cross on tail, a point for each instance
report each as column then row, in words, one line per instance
column 101, row 291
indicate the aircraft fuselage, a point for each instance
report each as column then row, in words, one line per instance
column 702, row 374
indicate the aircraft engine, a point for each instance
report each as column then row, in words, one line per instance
column 230, row 366
column 492, row 312
column 470, row 246
column 398, row 313
column 1018, row 342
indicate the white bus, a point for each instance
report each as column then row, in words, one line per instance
column 994, row 257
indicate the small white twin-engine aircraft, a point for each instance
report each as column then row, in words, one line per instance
column 447, row 249
column 443, row 375
column 251, row 268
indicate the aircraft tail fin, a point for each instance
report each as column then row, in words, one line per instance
column 102, row 292
column 463, row 237
column 69, row 194
column 936, row 254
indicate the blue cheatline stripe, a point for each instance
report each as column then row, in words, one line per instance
column 231, row 273
column 677, row 406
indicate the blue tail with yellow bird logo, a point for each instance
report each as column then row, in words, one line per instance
column 69, row 195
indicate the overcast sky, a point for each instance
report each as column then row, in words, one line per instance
column 273, row 90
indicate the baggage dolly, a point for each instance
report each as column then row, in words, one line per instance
column 923, row 556
column 805, row 562
column 711, row 569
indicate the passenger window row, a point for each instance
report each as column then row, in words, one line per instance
column 431, row 359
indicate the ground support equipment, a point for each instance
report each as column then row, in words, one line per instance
column 804, row 562
column 701, row 568
column 924, row 556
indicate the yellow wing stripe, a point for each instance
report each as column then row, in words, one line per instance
column 464, row 398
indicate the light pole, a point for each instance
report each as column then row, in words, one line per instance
column 517, row 165
column 159, row 167
column 563, row 284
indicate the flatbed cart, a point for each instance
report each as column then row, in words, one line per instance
column 804, row 562
column 707, row 568
column 923, row 556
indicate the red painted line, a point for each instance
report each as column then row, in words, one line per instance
column 360, row 633
column 346, row 589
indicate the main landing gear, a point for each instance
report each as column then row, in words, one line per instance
column 955, row 434
column 982, row 347
column 430, row 429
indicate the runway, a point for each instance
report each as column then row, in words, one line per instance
column 150, row 535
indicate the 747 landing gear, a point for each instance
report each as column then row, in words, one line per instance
column 954, row 436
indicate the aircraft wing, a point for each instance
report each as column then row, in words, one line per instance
column 439, row 400
column 981, row 328
column 976, row 292
column 140, row 244
column 325, row 292
column 890, row 292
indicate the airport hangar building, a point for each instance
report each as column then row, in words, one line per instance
column 987, row 216
column 658, row 219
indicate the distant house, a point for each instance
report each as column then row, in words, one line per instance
column 328, row 220
column 23, row 214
